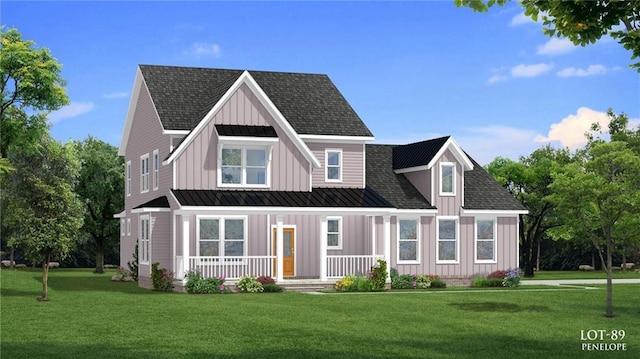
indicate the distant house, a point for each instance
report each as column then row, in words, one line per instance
column 233, row 172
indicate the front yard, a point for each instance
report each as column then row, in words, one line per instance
column 90, row 316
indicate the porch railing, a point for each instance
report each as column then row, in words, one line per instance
column 340, row 266
column 233, row 267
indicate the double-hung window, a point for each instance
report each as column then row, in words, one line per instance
column 408, row 240
column 447, row 179
column 144, row 173
column 221, row 237
column 241, row 166
column 156, row 169
column 334, row 233
column 143, row 244
column 333, row 165
column 485, row 241
column 447, row 239
column 128, row 178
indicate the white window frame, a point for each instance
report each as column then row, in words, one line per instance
column 156, row 169
column 457, row 239
column 417, row 240
column 327, row 166
column 339, row 233
column 453, row 178
column 144, row 176
column 122, row 227
column 129, row 175
column 221, row 238
column 128, row 226
column 243, row 166
column 144, row 242
column 494, row 239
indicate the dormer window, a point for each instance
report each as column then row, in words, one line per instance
column 333, row 165
column 447, row 179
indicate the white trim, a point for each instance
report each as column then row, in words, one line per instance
column 142, row 178
column 417, row 240
column 156, row 170
column 122, row 214
column 150, row 209
column 336, row 138
column 457, row 152
column 252, row 141
column 457, row 228
column 493, row 212
column 494, row 240
column 326, row 165
column 128, row 226
column 175, row 132
column 517, row 242
column 295, row 243
column 453, row 179
column 310, row 177
column 305, row 210
column 243, row 166
column 279, row 248
column 129, row 177
column 144, row 248
column 323, row 248
column 412, row 169
column 122, row 226
column 416, row 212
column 326, row 237
column 131, row 110
column 433, row 188
column 174, row 175
column 386, row 239
column 364, row 165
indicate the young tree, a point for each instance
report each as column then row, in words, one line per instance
column 100, row 186
column 582, row 22
column 43, row 208
column 597, row 193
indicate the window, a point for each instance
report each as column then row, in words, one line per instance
column 447, row 178
column 128, row 226
column 485, row 241
column 334, row 233
column 128, row 178
column 122, row 229
column 447, row 233
column 244, row 166
column 333, row 164
column 144, row 173
column 156, row 169
column 143, row 245
column 408, row 240
column 219, row 237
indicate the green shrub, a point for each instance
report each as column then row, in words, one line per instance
column 393, row 273
column 362, row 284
column 482, row 281
column 249, row 284
column 512, row 279
column 161, row 279
column 272, row 288
column 378, row 276
column 421, row 282
column 346, row 284
column 196, row 284
column 438, row 283
column 404, row 281
column 133, row 265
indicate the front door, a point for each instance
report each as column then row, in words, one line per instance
column 288, row 259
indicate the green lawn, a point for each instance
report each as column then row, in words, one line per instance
column 91, row 317
column 567, row 274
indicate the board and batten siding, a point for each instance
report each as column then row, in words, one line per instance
column 352, row 164
column 421, row 180
column 196, row 167
column 448, row 205
column 161, row 239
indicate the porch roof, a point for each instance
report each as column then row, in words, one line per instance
column 160, row 202
column 318, row 197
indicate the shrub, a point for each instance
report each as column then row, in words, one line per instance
column 362, row 284
column 499, row 274
column 482, row 281
column 133, row 265
column 346, row 284
column 512, row 279
column 378, row 276
column 421, row 282
column 249, row 284
column 393, row 273
column 404, row 281
column 265, row 280
column 438, row 283
column 196, row 284
column 161, row 279
column 271, row 288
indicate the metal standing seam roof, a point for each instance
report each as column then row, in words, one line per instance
column 244, row 130
column 418, row 153
column 160, row 202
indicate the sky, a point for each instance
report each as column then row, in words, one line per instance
column 411, row 70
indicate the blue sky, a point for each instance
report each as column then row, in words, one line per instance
column 411, row 70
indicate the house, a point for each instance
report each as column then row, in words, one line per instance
column 233, row 172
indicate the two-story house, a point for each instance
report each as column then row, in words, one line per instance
column 233, row 172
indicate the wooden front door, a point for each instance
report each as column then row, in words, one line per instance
column 288, row 258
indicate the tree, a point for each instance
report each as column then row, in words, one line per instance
column 43, row 208
column 100, row 186
column 597, row 193
column 582, row 22
column 528, row 181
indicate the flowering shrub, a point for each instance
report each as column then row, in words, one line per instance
column 249, row 284
column 161, row 279
column 404, row 281
column 416, row 281
column 196, row 284
column 346, row 284
column 264, row 280
column 421, row 282
column 378, row 276
column 512, row 279
column 501, row 278
column 499, row 274
column 123, row 272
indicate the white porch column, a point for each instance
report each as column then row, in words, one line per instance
column 323, row 248
column 373, row 235
column 185, row 243
column 386, row 234
column 279, row 249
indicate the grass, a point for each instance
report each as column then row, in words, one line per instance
column 617, row 274
column 90, row 316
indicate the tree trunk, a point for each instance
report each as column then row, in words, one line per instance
column 45, row 279
column 538, row 258
column 624, row 260
column 609, row 310
column 99, row 255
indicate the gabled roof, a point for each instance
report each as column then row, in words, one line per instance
column 482, row 192
column 424, row 154
column 395, row 188
column 160, row 202
column 310, row 102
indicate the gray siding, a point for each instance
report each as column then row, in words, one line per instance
column 421, row 180
column 352, row 164
column 161, row 239
column 448, row 205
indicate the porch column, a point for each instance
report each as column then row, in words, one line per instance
column 373, row 235
column 386, row 234
column 323, row 248
column 185, row 244
column 279, row 249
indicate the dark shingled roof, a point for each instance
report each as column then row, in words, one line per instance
column 417, row 154
column 160, row 202
column 481, row 191
column 319, row 197
column 395, row 188
column 250, row 131
column 310, row 102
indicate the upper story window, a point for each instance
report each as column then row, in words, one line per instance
column 447, row 179
column 128, row 178
column 244, row 166
column 156, row 169
column 144, row 173
column 333, row 165
column 334, row 233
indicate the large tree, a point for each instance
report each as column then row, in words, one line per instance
column 582, row 22
column 528, row 181
column 43, row 209
column 597, row 193
column 101, row 188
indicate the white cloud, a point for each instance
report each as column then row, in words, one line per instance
column 556, row 46
column 590, row 71
column 205, row 49
column 115, row 95
column 486, row 143
column 497, row 78
column 569, row 132
column 521, row 19
column 75, row 109
column 530, row 70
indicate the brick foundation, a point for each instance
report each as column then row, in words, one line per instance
column 457, row 281
column 145, row 282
